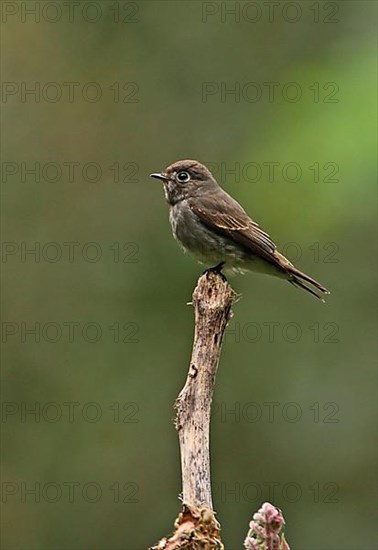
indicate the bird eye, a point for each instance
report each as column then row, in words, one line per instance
column 183, row 176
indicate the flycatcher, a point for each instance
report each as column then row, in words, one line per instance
column 209, row 223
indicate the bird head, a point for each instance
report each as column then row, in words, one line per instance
column 185, row 179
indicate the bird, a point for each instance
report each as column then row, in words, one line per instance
column 210, row 224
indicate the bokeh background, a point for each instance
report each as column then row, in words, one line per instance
column 295, row 395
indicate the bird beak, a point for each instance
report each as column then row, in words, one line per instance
column 158, row 176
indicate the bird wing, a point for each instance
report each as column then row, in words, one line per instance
column 225, row 216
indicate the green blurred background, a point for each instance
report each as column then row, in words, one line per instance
column 294, row 408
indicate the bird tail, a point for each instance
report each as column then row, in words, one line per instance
column 298, row 279
column 299, row 284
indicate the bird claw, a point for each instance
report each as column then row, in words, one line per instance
column 218, row 270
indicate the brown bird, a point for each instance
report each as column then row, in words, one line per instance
column 209, row 223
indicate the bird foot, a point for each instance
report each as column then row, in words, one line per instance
column 216, row 269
